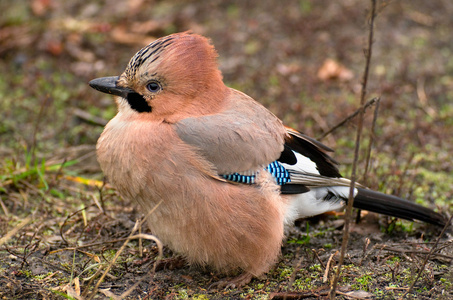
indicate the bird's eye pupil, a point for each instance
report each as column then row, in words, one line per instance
column 153, row 87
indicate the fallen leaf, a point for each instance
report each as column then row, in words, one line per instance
column 121, row 35
column 360, row 295
column 54, row 47
column 331, row 69
column 40, row 7
column 109, row 294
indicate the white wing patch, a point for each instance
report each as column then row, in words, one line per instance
column 303, row 165
column 340, row 191
column 316, row 202
column 305, row 172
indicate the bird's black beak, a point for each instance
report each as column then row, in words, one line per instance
column 108, row 85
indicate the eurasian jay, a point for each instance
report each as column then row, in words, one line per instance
column 227, row 173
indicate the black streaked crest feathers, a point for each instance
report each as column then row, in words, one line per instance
column 153, row 51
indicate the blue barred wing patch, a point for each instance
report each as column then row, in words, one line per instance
column 277, row 171
column 236, row 177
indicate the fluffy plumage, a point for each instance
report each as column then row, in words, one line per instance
column 209, row 153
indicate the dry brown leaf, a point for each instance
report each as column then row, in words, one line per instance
column 146, row 27
column 109, row 294
column 54, row 47
column 288, row 69
column 77, row 286
column 71, row 292
column 40, row 7
column 332, row 69
column 121, row 35
column 359, row 295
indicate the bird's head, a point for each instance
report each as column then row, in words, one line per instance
column 174, row 77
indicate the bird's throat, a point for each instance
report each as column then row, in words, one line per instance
column 138, row 103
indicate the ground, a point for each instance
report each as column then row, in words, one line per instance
column 61, row 226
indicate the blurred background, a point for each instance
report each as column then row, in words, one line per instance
column 302, row 59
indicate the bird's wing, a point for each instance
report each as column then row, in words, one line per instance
column 308, row 165
column 305, row 154
column 245, row 137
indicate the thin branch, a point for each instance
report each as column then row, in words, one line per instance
column 372, row 137
column 344, row 243
column 89, row 118
column 430, row 253
column 15, row 230
column 39, row 118
column 348, row 118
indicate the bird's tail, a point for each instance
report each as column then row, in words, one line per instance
column 396, row 207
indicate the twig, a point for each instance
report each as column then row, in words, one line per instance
column 365, row 248
column 348, row 118
column 57, row 176
column 445, row 244
column 372, row 136
column 34, row 140
column 293, row 274
column 326, row 272
column 427, row 257
column 132, row 288
column 101, row 197
column 450, row 257
column 344, row 243
column 409, row 165
column 140, row 243
column 424, row 105
column 67, row 219
column 370, row 146
column 89, row 118
column 89, row 245
column 58, row 268
column 4, row 208
column 301, row 295
column 319, row 258
column 15, row 230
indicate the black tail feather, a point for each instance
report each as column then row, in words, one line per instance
column 396, row 207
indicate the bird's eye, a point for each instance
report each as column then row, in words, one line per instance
column 154, row 86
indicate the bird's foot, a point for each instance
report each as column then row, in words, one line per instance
column 171, row 263
column 234, row 282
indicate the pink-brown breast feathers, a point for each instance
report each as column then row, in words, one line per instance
column 209, row 221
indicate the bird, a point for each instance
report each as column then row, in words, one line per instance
column 223, row 174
